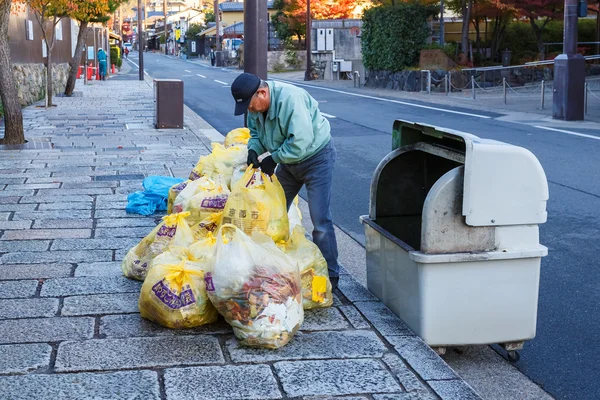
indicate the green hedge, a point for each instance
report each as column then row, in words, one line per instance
column 392, row 36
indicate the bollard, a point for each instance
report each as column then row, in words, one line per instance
column 504, row 88
column 79, row 71
column 543, row 93
column 428, row 82
column 585, row 99
column 473, row 86
column 112, row 71
column 449, row 83
column 89, row 72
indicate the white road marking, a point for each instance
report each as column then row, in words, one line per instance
column 569, row 132
column 201, row 76
column 138, row 67
column 327, row 115
column 226, row 86
column 389, row 100
column 221, row 82
column 187, row 70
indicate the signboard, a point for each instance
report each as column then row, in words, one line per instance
column 90, row 53
column 193, row 46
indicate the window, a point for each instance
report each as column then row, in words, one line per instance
column 59, row 33
column 28, row 29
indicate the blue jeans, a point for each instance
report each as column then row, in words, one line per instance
column 317, row 174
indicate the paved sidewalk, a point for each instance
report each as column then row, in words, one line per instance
column 69, row 322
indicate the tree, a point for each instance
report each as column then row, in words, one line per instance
column 209, row 16
column 193, row 30
column 48, row 14
column 87, row 11
column 539, row 13
column 9, row 96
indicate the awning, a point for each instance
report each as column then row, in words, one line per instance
column 113, row 35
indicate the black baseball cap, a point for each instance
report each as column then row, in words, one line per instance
column 242, row 89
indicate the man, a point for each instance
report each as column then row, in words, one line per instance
column 102, row 63
column 286, row 122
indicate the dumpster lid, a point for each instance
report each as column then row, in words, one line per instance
column 503, row 184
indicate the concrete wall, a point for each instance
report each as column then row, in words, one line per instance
column 279, row 57
column 31, row 82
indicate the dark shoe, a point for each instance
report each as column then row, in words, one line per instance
column 334, row 282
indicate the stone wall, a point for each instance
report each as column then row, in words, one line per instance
column 279, row 57
column 31, row 82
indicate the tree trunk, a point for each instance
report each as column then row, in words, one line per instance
column 13, row 116
column 49, row 80
column 538, row 38
column 466, row 11
column 76, row 60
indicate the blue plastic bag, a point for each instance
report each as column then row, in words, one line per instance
column 154, row 196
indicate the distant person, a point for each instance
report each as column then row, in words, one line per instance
column 213, row 58
column 102, row 58
column 126, row 52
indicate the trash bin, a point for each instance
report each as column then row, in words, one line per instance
column 452, row 236
column 168, row 94
column 506, row 58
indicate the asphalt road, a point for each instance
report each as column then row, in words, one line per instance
column 564, row 358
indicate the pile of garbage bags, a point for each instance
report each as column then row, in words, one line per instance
column 228, row 246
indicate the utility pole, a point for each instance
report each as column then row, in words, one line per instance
column 140, row 40
column 255, row 37
column 308, row 40
column 166, row 33
column 218, row 26
column 569, row 71
column 442, row 27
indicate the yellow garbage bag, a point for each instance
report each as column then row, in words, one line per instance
column 173, row 193
column 257, row 203
column 256, row 287
column 316, row 287
column 220, row 162
column 174, row 293
column 295, row 215
column 237, row 136
column 209, row 225
column 172, row 231
column 204, row 248
column 210, row 199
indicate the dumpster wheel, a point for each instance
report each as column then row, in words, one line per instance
column 513, row 356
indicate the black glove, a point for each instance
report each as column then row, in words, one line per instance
column 252, row 159
column 268, row 165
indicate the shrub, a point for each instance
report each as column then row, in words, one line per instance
column 392, row 36
column 278, row 67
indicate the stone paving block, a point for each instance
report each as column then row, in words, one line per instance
column 114, row 303
column 17, row 207
column 89, row 285
column 63, row 223
column 335, row 377
column 133, row 325
column 408, row 379
column 16, row 193
column 74, row 192
column 117, row 214
column 137, row 232
column 17, row 289
column 34, row 186
column 28, row 308
column 56, row 199
column 9, row 225
column 306, row 346
column 115, row 205
column 47, row 234
column 457, row 389
column 99, row 269
column 404, row 396
column 35, row 271
column 130, row 177
column 383, row 319
column 153, row 352
column 72, row 214
column 88, row 185
column 57, row 256
column 421, row 358
column 65, row 206
column 9, row 199
column 126, row 223
column 113, row 197
column 355, row 318
column 353, row 290
column 221, row 383
column 335, row 398
column 24, row 245
column 32, row 330
column 71, row 180
column 94, row 244
column 19, row 358
column 4, row 216
column 11, row 181
column 124, row 385
column 323, row 319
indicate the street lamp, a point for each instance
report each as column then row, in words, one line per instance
column 308, row 40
